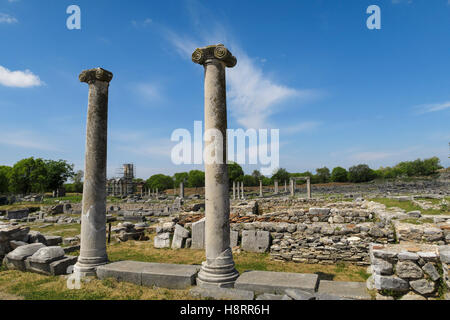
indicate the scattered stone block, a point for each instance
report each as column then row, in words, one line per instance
column 349, row 290
column 16, row 258
column 222, row 293
column 36, row 237
column 15, row 244
column 255, row 241
column 53, row 240
column 162, row 241
column 234, row 238
column 60, row 267
column 198, row 234
column 300, row 294
column 276, row 282
column 150, row 274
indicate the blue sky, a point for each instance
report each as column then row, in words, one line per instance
column 340, row 94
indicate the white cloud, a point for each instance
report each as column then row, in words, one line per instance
column 254, row 96
column 148, row 91
column 427, row 108
column 19, row 79
column 6, row 18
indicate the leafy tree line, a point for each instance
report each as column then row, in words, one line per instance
column 34, row 175
column 39, row 175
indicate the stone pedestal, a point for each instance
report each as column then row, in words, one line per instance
column 218, row 269
column 275, row 186
column 93, row 216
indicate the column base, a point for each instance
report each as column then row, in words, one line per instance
column 219, row 272
column 88, row 268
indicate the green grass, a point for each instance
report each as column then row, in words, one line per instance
column 417, row 221
column 408, row 206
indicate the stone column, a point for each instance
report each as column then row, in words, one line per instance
column 275, row 186
column 218, row 269
column 260, row 189
column 242, row 191
column 93, row 215
column 308, row 187
column 292, row 187
column 285, row 186
column 182, row 190
column 234, row 190
column 238, row 190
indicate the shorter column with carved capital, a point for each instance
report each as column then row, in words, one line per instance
column 260, row 188
column 93, row 215
column 218, row 269
column 308, row 187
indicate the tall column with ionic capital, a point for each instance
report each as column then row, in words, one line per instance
column 218, row 269
column 93, row 215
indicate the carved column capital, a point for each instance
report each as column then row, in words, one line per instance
column 99, row 74
column 218, row 52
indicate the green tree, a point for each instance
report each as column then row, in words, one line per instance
column 360, row 173
column 5, row 172
column 339, row 174
column 28, row 175
column 257, row 175
column 281, row 175
column 160, row 182
column 179, row 177
column 250, row 181
column 323, row 175
column 303, row 174
column 196, row 179
column 57, row 173
column 235, row 172
column 77, row 183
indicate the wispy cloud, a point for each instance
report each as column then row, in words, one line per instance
column 26, row 139
column 6, row 18
column 19, row 79
column 301, row 127
column 141, row 24
column 427, row 108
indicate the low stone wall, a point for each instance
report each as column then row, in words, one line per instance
column 409, row 271
column 320, row 242
column 423, row 233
